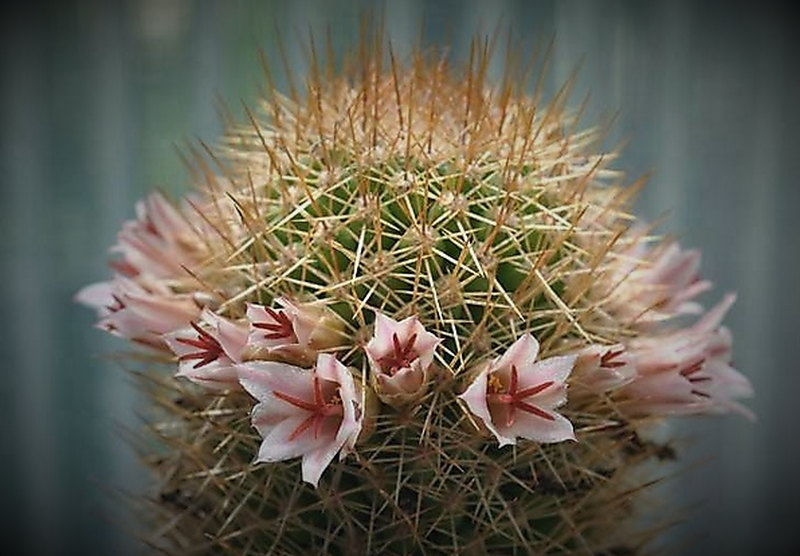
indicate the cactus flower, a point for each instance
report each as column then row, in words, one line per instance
column 143, row 313
column 515, row 396
column 652, row 285
column 294, row 333
column 312, row 413
column 160, row 242
column 689, row 371
column 207, row 353
column 601, row 368
column 400, row 354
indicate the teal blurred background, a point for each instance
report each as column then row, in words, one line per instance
column 96, row 97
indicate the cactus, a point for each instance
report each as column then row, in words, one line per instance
column 409, row 311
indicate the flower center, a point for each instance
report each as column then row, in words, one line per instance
column 280, row 329
column 210, row 348
column 319, row 409
column 513, row 399
column 401, row 355
column 609, row 360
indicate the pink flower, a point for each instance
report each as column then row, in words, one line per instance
column 313, row 414
column 400, row 354
column 602, row 368
column 160, row 242
column 294, row 333
column 654, row 284
column 515, row 396
column 137, row 311
column 208, row 351
column 689, row 371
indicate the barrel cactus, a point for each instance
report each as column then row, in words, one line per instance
column 408, row 311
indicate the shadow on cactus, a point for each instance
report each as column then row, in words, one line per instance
column 408, row 311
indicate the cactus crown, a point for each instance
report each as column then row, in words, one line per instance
column 434, row 277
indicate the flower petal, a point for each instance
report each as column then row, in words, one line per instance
column 521, row 354
column 329, row 368
column 231, row 336
column 262, row 378
column 381, row 342
column 275, row 444
column 527, row 425
column 713, row 318
column 218, row 375
column 475, row 398
column 98, row 295
column 555, row 369
column 316, row 461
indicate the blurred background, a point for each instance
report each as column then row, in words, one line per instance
column 96, row 97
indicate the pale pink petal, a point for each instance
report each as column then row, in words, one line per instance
column 261, row 378
column 720, row 345
column 275, row 443
column 555, row 369
column 551, row 397
column 522, row 353
column 674, row 267
column 381, row 342
column 329, row 368
column 301, row 330
column 216, row 375
column 425, row 345
column 232, row 336
column 158, row 314
column 475, row 398
column 540, row 430
column 690, row 292
column 408, row 380
column 713, row 318
column 660, row 393
column 99, row 295
column 727, row 382
column 317, row 460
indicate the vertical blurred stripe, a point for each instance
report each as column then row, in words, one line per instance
column 30, row 336
column 111, row 139
column 764, row 307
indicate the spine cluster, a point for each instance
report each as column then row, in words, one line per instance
column 409, row 312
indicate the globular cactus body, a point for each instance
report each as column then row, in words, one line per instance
column 411, row 315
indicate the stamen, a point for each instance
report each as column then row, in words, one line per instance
column 524, row 406
column 401, row 356
column 607, row 359
column 281, row 329
column 210, row 348
column 493, row 384
column 319, row 409
column 533, row 390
